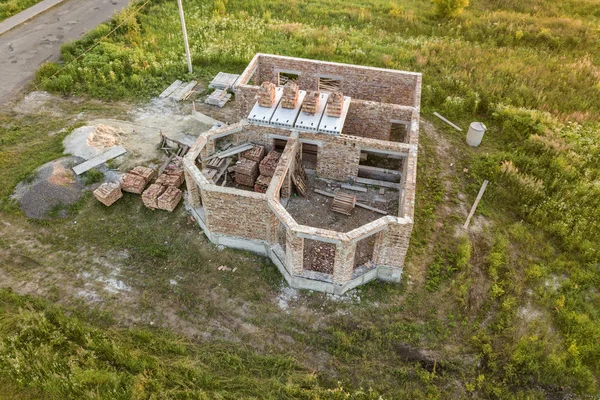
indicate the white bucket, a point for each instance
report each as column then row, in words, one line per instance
column 475, row 133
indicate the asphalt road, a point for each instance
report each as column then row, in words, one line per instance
column 25, row 48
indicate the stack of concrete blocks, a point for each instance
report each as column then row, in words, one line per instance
column 311, row 102
column 246, row 172
column 290, row 95
column 108, row 193
column 266, row 94
column 335, row 104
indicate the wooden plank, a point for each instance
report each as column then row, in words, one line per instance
column 355, row 188
column 361, row 205
column 182, row 92
column 99, row 159
column 448, row 122
column 231, row 152
column 374, row 182
column 172, row 87
column 479, row 196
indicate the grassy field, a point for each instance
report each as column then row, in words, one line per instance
column 8, row 8
column 509, row 311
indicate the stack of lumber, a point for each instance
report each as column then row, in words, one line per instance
column 269, row 163
column 335, row 103
column 246, row 172
column 223, row 81
column 147, row 173
column 290, row 95
column 256, row 153
column 262, row 184
column 266, row 94
column 343, row 203
column 171, row 177
column 108, row 193
column 133, row 183
column 215, row 163
column 169, row 199
column 151, row 195
column 311, row 102
column 218, row 98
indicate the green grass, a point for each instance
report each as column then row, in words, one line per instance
column 8, row 8
column 512, row 312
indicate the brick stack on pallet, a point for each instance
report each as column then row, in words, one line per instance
column 108, row 193
column 343, row 203
column 136, row 180
column 170, row 198
column 335, row 103
column 171, row 177
column 151, row 195
column 266, row 94
column 262, row 184
column 311, row 102
column 256, row 153
column 269, row 163
column 246, row 172
column 290, row 95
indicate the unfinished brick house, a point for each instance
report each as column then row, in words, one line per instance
column 332, row 151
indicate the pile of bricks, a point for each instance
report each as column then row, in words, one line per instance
column 133, row 183
column 147, row 173
column 290, row 95
column 169, row 199
column 151, row 195
column 269, row 163
column 246, row 172
column 171, row 177
column 108, row 193
column 256, row 153
column 262, row 184
column 266, row 94
column 335, row 104
column 311, row 102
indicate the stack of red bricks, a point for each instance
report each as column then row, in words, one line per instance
column 256, row 153
column 269, row 163
column 262, row 184
column 290, row 95
column 266, row 94
column 164, row 194
column 335, row 104
column 311, row 102
column 246, row 172
column 136, row 180
column 108, row 193
column 171, row 177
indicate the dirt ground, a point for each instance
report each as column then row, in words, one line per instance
column 314, row 210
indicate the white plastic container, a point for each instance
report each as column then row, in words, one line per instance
column 475, row 133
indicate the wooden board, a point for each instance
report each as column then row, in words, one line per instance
column 374, row 182
column 231, row 152
column 355, row 188
column 99, row 159
column 172, row 87
column 183, row 92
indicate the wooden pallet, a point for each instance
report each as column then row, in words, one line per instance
column 300, row 184
column 343, row 203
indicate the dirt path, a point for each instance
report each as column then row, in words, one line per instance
column 31, row 44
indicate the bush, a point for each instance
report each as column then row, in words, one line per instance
column 449, row 8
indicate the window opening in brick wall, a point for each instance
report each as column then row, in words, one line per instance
column 399, row 132
column 364, row 253
column 285, row 77
column 380, row 166
column 329, row 84
column 319, row 256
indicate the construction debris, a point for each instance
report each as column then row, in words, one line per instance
column 266, row 94
column 151, row 195
column 169, row 199
column 257, row 153
column 179, row 90
column 218, row 98
column 108, row 193
column 262, row 184
column 311, row 102
column 343, row 203
column 269, row 163
column 366, row 207
column 230, row 152
column 105, row 136
column 133, row 183
column 290, row 95
column 246, row 172
column 335, row 104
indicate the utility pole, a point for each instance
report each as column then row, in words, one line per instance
column 185, row 38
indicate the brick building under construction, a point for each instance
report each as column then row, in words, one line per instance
column 318, row 175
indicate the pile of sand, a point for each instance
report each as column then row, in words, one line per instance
column 105, row 136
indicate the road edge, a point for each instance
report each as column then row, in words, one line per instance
column 27, row 14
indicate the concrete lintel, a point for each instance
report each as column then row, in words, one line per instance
column 320, row 235
column 403, row 153
column 225, row 130
column 401, row 220
column 371, row 228
column 237, row 192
